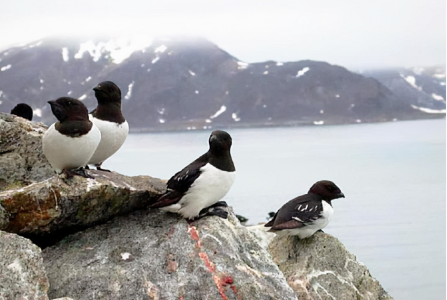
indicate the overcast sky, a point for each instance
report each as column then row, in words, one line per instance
column 351, row 33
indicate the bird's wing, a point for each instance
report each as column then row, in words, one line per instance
column 179, row 184
column 298, row 212
column 183, row 179
column 168, row 198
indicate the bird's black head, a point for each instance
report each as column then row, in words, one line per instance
column 66, row 108
column 220, row 143
column 107, row 92
column 326, row 189
column 23, row 110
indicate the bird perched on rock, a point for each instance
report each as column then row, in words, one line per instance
column 110, row 121
column 195, row 191
column 23, row 110
column 69, row 143
column 304, row 215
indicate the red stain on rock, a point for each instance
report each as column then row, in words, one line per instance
column 227, row 279
column 211, row 267
column 221, row 280
column 171, row 232
column 193, row 232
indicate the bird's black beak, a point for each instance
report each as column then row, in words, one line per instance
column 213, row 138
column 53, row 102
column 341, row 195
column 57, row 110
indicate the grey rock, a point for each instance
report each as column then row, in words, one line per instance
column 155, row 255
column 320, row 267
column 21, row 158
column 22, row 274
column 261, row 235
column 49, row 210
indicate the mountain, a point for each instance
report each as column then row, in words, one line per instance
column 422, row 88
column 180, row 83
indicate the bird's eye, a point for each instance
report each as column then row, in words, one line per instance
column 330, row 188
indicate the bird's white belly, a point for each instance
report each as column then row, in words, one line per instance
column 63, row 152
column 211, row 186
column 112, row 138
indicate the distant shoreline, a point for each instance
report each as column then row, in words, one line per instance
column 301, row 123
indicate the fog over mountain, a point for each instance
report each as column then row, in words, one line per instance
column 180, row 83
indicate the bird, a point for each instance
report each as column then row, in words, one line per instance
column 70, row 143
column 23, row 110
column 306, row 214
column 107, row 116
column 195, row 191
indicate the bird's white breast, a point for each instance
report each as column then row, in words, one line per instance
column 211, row 186
column 113, row 136
column 64, row 152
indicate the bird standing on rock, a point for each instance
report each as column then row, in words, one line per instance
column 306, row 214
column 69, row 143
column 23, row 110
column 195, row 191
column 109, row 119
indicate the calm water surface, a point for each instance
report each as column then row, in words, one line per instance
column 393, row 175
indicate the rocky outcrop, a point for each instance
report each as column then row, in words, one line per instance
column 49, row 210
column 154, row 255
column 22, row 274
column 320, row 267
column 21, row 158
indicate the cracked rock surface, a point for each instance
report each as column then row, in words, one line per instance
column 320, row 267
column 155, row 255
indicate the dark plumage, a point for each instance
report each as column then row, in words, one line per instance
column 108, row 95
column 304, row 215
column 202, row 183
column 23, row 110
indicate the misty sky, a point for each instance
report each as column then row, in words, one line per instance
column 351, row 33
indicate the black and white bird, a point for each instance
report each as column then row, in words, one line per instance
column 23, row 110
column 70, row 143
column 306, row 214
column 195, row 191
column 110, row 121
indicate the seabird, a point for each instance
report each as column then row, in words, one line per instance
column 23, row 110
column 306, row 214
column 195, row 191
column 69, row 143
column 110, row 121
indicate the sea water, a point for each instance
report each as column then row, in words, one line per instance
column 392, row 174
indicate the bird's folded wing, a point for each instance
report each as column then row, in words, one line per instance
column 296, row 218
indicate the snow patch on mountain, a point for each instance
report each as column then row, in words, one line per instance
column 222, row 109
column 302, row 72
column 429, row 110
column 129, row 92
column 117, row 50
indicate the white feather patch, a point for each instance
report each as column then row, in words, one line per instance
column 113, row 136
column 211, row 186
